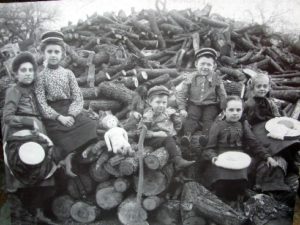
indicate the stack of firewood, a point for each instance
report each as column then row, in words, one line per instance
column 111, row 55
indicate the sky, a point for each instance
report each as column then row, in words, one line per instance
column 285, row 13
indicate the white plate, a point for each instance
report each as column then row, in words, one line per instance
column 285, row 126
column 233, row 160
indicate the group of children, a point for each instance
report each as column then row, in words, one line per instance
column 52, row 103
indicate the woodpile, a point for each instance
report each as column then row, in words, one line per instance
column 114, row 53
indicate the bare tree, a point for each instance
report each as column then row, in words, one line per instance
column 21, row 21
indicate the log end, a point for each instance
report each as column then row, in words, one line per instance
column 151, row 162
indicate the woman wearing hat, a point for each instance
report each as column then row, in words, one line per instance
column 61, row 100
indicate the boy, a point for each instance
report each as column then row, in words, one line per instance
column 162, row 123
column 201, row 95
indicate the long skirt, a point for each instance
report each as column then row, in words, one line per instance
column 70, row 139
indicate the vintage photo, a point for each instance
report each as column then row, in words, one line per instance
column 150, row 112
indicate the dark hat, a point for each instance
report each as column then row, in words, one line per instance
column 23, row 57
column 206, row 52
column 52, row 36
column 158, row 90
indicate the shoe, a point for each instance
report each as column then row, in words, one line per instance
column 186, row 140
column 181, row 163
column 203, row 140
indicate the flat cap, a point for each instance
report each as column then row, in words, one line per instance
column 158, row 90
column 53, row 36
column 206, row 52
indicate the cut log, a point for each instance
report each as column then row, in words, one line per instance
column 116, row 91
column 102, row 76
column 156, row 181
column 142, row 76
column 235, row 73
column 84, row 213
column 112, row 170
column 105, row 105
column 157, row 159
column 90, row 93
column 210, row 206
column 61, row 207
column 129, row 82
column 128, row 166
column 121, row 184
column 213, row 23
column 108, row 198
column 157, row 81
column 98, row 173
column 128, row 213
column 155, row 29
column 152, row 202
column 116, row 159
column 171, row 29
column 288, row 95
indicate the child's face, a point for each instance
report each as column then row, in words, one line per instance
column 25, row 73
column 53, row 54
column 159, row 103
column 111, row 122
column 261, row 87
column 233, row 111
column 205, row 66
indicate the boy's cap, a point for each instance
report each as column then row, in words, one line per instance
column 206, row 52
column 158, row 90
column 23, row 57
column 53, row 36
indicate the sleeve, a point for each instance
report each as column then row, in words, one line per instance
column 47, row 111
column 251, row 140
column 210, row 150
column 76, row 96
column 182, row 95
column 12, row 98
column 221, row 93
column 177, row 122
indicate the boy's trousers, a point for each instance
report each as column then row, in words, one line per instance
column 205, row 114
column 168, row 142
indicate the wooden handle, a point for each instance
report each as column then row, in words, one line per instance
column 141, row 164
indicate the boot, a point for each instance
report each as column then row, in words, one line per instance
column 186, row 139
column 181, row 163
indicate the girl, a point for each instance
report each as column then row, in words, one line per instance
column 61, row 100
column 231, row 134
column 258, row 110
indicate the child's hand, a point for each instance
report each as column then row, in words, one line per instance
column 213, row 160
column 183, row 113
column 137, row 115
column 67, row 121
column 160, row 134
column 271, row 162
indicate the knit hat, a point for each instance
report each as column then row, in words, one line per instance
column 23, row 57
column 52, row 36
column 158, row 90
column 206, row 52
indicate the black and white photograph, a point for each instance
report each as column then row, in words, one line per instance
column 150, row 112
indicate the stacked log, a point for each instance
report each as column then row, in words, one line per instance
column 113, row 54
